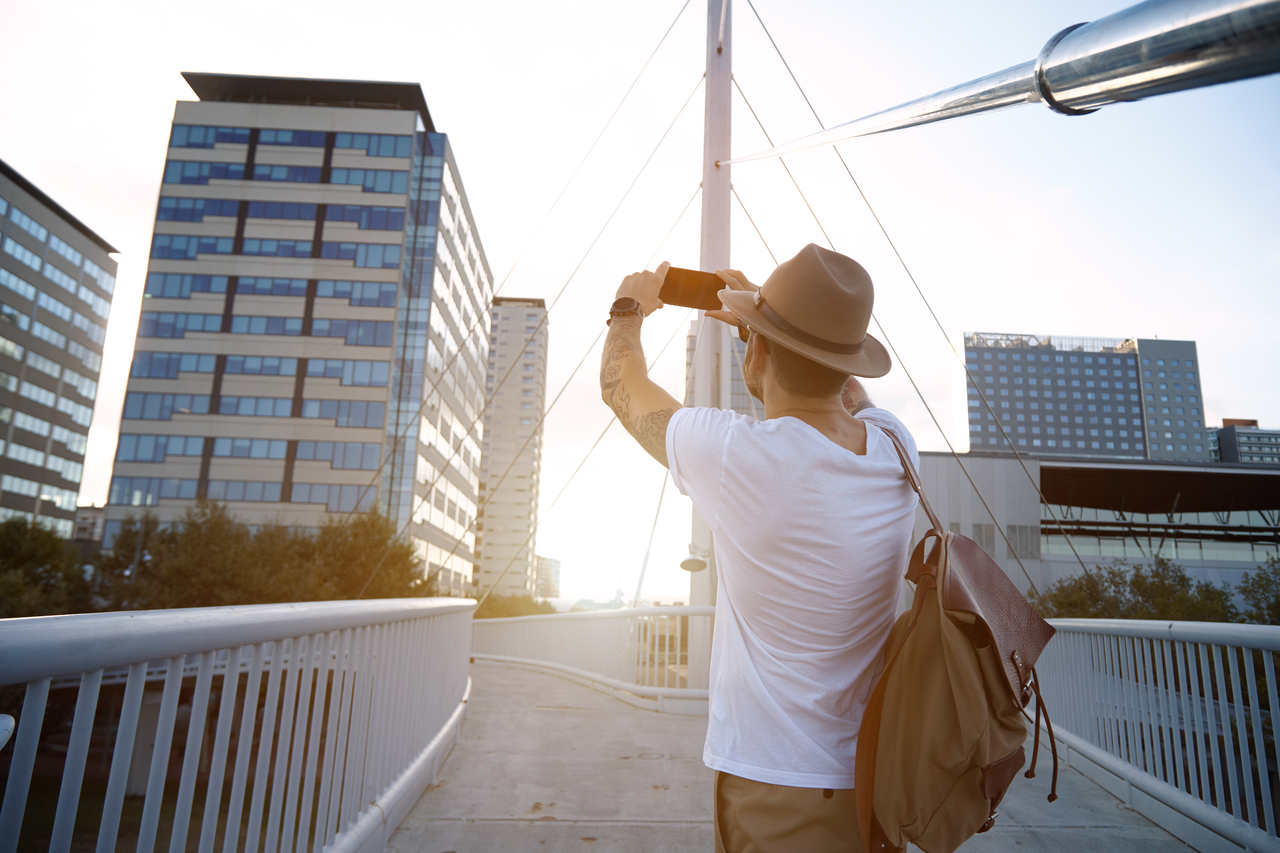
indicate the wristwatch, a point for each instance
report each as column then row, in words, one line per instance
column 624, row 306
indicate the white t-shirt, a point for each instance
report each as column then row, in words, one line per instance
column 811, row 543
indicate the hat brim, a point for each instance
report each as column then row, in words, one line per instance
column 871, row 360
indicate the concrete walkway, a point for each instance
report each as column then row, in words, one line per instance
column 544, row 763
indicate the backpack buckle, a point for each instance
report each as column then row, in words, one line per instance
column 1024, row 675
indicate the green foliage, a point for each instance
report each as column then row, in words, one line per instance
column 1162, row 590
column 1261, row 594
column 39, row 575
column 498, row 606
column 210, row 559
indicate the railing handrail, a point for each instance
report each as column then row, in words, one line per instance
column 50, row 646
column 619, row 613
column 1263, row 637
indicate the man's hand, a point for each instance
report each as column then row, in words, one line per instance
column 734, row 280
column 644, row 286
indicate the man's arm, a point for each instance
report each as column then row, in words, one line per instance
column 641, row 405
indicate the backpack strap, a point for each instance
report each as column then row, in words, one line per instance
column 913, row 477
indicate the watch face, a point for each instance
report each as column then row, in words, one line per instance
column 625, row 305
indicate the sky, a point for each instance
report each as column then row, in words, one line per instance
column 1152, row 219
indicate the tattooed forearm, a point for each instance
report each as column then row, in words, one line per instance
column 650, row 429
column 642, row 407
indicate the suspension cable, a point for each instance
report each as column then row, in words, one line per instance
column 544, row 222
column 612, row 420
column 444, row 370
column 911, row 277
column 480, row 505
column 648, row 549
column 898, row 357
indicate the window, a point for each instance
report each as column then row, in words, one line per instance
column 277, row 248
column 26, row 223
column 376, row 255
column 204, row 136
column 244, row 490
column 374, row 293
column 136, row 447
column 256, row 407
column 350, row 372
column 161, row 324
column 355, row 332
column 199, row 172
column 368, row 218
column 173, row 209
column 104, row 279
column 376, row 144
column 22, row 253
column 335, row 497
column 289, row 174
column 187, row 247
column 161, row 407
column 65, row 250
column 250, row 448
column 300, row 138
column 18, row 285
column 59, row 278
column 148, row 491
column 373, row 180
column 345, row 455
column 174, row 286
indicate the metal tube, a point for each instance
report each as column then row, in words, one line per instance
column 154, row 799
column 73, row 769
column 191, row 754
column 121, row 755
column 240, row 772
column 1153, row 48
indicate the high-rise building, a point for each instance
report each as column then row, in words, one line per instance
column 1134, row 398
column 547, row 584
column 739, row 399
column 512, row 453
column 56, row 281
column 1243, row 441
column 311, row 341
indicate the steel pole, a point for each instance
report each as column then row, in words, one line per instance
column 1153, row 48
column 711, row 351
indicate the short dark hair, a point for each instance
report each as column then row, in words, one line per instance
column 800, row 375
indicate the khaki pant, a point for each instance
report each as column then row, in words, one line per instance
column 756, row 817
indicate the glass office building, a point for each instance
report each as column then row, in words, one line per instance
column 1095, row 397
column 311, row 341
column 56, row 281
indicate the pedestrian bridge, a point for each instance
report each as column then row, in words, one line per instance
column 404, row 725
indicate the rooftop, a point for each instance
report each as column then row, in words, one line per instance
column 547, row 763
column 306, row 91
column 40, row 196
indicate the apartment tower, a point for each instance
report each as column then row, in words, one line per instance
column 56, row 281
column 311, row 340
column 1099, row 397
column 512, row 455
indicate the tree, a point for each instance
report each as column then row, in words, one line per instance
column 1162, row 590
column 208, row 558
column 1261, row 593
column 498, row 606
column 39, row 575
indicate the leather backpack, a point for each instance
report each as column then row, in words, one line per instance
column 943, row 734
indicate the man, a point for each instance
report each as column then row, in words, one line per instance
column 811, row 516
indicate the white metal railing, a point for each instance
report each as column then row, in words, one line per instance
column 1185, row 711
column 328, row 719
column 659, row 655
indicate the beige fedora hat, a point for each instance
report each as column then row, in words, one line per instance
column 818, row 305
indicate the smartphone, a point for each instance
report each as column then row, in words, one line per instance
column 692, row 288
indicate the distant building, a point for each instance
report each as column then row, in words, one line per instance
column 1219, row 522
column 512, row 449
column 56, row 282
column 1098, row 397
column 89, row 524
column 310, row 342
column 547, row 584
column 1243, row 441
column 739, row 399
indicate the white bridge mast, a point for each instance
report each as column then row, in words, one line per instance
column 712, row 354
